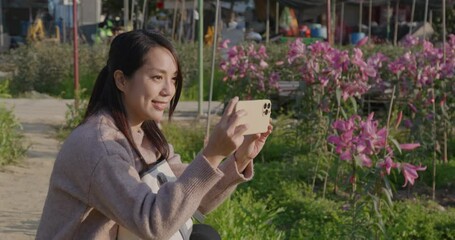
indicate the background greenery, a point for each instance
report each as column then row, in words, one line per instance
column 11, row 138
column 48, row 68
column 280, row 204
column 289, row 197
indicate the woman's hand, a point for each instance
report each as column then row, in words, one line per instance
column 226, row 137
column 250, row 148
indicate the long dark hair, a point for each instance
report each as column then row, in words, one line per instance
column 127, row 53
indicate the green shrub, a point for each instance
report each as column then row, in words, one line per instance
column 243, row 216
column 4, row 88
column 445, row 175
column 315, row 219
column 421, row 220
column 11, row 139
column 189, row 144
column 188, row 56
column 48, row 68
column 73, row 117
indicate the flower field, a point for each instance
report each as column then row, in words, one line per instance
column 362, row 148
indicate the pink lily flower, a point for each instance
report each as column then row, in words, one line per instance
column 410, row 173
column 409, row 146
column 366, row 161
column 224, row 44
column 388, row 164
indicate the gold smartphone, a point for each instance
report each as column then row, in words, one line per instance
column 258, row 115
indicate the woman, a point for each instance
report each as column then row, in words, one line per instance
column 95, row 185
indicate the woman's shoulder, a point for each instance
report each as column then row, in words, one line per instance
column 97, row 136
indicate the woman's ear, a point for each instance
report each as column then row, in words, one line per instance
column 120, row 80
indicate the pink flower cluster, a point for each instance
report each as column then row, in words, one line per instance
column 421, row 69
column 332, row 68
column 362, row 141
column 247, row 62
column 358, row 139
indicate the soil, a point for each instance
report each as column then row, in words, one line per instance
column 23, row 187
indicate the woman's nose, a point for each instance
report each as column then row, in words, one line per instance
column 168, row 88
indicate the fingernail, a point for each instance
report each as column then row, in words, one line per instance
column 243, row 113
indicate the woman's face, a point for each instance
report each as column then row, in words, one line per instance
column 149, row 91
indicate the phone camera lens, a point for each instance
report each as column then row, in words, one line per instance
column 265, row 105
column 266, row 112
column 268, row 105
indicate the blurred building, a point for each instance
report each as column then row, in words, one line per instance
column 17, row 16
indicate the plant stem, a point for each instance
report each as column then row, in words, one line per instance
column 335, row 188
column 314, row 176
column 434, row 145
column 325, row 184
column 353, row 179
column 390, row 113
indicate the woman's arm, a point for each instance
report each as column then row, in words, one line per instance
column 224, row 187
column 117, row 192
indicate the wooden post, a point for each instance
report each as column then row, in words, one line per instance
column 143, row 23
column 212, row 76
column 329, row 20
column 193, row 22
column 444, row 57
column 341, row 23
column 360, row 15
column 388, row 20
column 174, row 21
column 267, row 26
column 1, row 25
column 395, row 34
column 277, row 17
column 425, row 20
column 126, row 14
column 201, row 54
column 370, row 13
column 413, row 9
column 333, row 23
column 133, row 9
column 182, row 20
column 75, row 55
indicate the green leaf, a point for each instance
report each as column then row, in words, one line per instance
column 354, row 104
column 395, row 142
column 358, row 161
column 388, row 194
column 344, row 114
column 338, row 94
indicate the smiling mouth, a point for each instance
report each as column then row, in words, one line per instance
column 159, row 105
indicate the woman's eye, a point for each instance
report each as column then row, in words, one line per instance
column 157, row 77
column 174, row 80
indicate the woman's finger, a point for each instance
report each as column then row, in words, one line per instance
column 239, row 130
column 265, row 135
column 235, row 117
column 231, row 106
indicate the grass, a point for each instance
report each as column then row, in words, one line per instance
column 11, row 138
column 280, row 204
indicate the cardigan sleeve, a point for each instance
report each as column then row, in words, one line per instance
column 117, row 192
column 224, row 187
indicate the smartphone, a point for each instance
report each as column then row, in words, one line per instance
column 258, row 115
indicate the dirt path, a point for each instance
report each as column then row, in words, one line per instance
column 23, row 187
